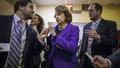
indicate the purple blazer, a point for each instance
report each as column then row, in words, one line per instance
column 67, row 40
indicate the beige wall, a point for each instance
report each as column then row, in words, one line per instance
column 5, row 8
column 112, row 13
column 47, row 12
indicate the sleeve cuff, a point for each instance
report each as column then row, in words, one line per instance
column 109, row 63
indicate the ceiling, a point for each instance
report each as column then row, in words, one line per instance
column 75, row 2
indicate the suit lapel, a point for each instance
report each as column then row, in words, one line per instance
column 10, row 22
column 27, row 39
column 99, row 28
column 87, row 26
column 8, row 26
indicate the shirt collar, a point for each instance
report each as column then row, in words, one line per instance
column 97, row 22
column 17, row 18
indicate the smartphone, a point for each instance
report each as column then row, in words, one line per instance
column 50, row 24
column 89, row 56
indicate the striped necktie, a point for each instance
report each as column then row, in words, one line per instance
column 15, row 47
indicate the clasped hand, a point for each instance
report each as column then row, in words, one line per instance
column 92, row 34
column 46, row 32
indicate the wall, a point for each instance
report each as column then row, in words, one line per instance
column 47, row 12
column 112, row 13
column 5, row 8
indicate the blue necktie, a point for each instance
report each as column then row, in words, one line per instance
column 15, row 47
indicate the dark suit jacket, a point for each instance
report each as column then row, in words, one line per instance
column 115, row 59
column 32, row 46
column 108, row 40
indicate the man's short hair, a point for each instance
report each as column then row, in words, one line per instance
column 21, row 3
column 98, row 7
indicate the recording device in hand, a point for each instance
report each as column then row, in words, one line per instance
column 49, row 25
column 89, row 56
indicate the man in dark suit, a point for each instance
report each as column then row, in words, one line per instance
column 112, row 61
column 99, row 36
column 30, row 46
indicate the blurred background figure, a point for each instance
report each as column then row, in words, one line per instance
column 37, row 24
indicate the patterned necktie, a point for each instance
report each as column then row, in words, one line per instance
column 15, row 47
column 90, row 40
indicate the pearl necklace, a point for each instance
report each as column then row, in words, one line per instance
column 60, row 28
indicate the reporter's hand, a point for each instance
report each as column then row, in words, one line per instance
column 100, row 62
column 92, row 34
column 40, row 39
column 44, row 33
column 51, row 30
